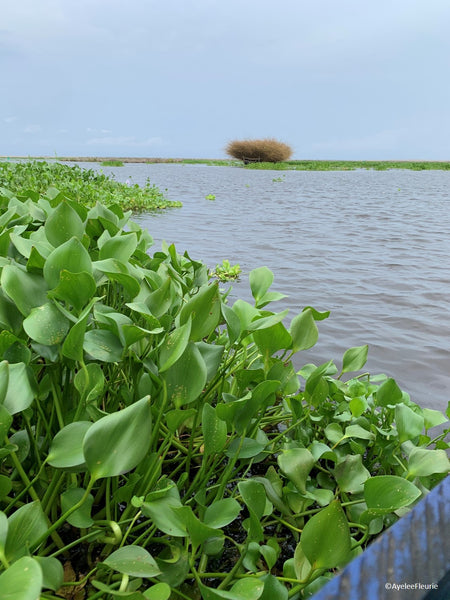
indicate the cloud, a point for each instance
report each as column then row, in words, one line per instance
column 10, row 119
column 129, row 141
column 32, row 129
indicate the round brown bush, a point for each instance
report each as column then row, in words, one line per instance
column 268, row 150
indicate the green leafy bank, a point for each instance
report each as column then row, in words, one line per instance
column 83, row 185
column 157, row 442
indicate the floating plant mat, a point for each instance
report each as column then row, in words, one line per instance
column 157, row 441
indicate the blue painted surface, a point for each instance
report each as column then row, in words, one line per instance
column 414, row 552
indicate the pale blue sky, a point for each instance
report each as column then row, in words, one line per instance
column 180, row 78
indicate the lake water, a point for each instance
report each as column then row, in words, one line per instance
column 370, row 246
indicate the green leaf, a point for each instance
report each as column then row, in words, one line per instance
column 433, row 418
column 159, row 591
column 386, row 493
column 62, row 224
column 3, row 531
column 46, row 325
column 22, row 581
column 221, row 513
column 20, row 393
column 52, row 572
column 254, row 496
column 260, row 281
column 354, row 359
column 249, row 588
column 198, row 531
column 351, row 474
column 118, row 442
column 26, row 290
column 325, row 539
column 272, row 339
column 66, row 449
column 303, row 331
column 71, row 256
column 204, row 311
column 134, row 561
column 162, row 512
column 296, row 463
column 409, row 424
column 103, row 345
column 214, row 431
column 265, row 322
column 25, row 526
column 90, row 382
column 174, row 346
column 76, row 289
column 120, row 247
column 81, row 517
column 423, row 462
column 73, row 344
column 388, row 393
column 186, row 378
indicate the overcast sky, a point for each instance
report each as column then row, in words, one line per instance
column 181, row 78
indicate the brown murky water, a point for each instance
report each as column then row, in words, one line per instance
column 371, row 246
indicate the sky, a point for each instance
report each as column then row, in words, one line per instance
column 181, row 78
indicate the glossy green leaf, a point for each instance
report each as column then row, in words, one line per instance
column 303, row 331
column 120, row 247
column 103, row 345
column 265, row 322
column 325, row 539
column 46, row 325
column 73, row 344
column 26, row 290
column 387, row 493
column 254, row 496
column 260, row 281
column 174, row 346
column 409, row 424
column 272, row 339
column 5, row 486
column 214, row 431
column 22, row 580
column 296, row 463
column 249, row 448
column 204, row 310
column 351, row 474
column 25, row 526
column 52, row 572
column 75, row 289
column 273, row 589
column 198, row 531
column 159, row 591
column 212, row 356
column 81, row 517
column 133, row 560
column 388, row 393
column 71, row 256
column 186, row 378
column 3, row 531
column 89, row 382
column 62, row 224
column 20, row 392
column 249, row 588
column 222, row 513
column 66, row 449
column 433, row 418
column 116, row 443
column 161, row 511
column 354, row 359
column 423, row 462
column 5, row 419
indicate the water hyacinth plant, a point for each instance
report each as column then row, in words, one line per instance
column 157, row 441
column 83, row 185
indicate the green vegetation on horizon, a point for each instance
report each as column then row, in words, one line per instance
column 82, row 185
column 112, row 163
column 159, row 440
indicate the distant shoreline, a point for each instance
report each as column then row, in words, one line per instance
column 300, row 165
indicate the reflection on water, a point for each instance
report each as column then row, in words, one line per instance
column 371, row 246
